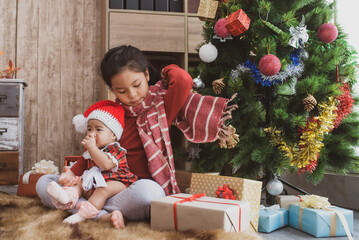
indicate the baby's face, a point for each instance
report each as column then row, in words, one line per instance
column 130, row 87
column 102, row 134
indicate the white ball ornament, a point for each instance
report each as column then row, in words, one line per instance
column 274, row 187
column 208, row 53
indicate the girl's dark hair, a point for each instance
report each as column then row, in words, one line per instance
column 126, row 57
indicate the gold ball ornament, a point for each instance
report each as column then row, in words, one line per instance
column 218, row 85
column 309, row 103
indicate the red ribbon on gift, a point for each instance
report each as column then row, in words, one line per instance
column 195, row 197
column 225, row 192
column 300, row 198
column 189, row 199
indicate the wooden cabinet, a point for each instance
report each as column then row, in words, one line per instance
column 11, row 130
column 160, row 34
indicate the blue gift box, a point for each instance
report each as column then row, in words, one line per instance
column 272, row 219
column 319, row 222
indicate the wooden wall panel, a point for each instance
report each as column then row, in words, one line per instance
column 7, row 31
column 27, row 49
column 58, row 50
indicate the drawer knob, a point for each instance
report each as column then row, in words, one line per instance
column 2, row 98
column 2, row 131
column 2, row 165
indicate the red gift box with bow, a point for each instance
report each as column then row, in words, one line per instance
column 238, row 22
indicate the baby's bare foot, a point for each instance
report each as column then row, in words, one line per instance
column 117, row 219
column 57, row 193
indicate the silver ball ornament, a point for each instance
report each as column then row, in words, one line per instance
column 274, row 187
column 198, row 83
column 208, row 52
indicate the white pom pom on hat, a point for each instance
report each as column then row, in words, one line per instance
column 80, row 123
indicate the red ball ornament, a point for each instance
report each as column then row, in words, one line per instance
column 327, row 32
column 269, row 65
column 220, row 28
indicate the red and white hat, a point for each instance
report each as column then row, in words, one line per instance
column 106, row 111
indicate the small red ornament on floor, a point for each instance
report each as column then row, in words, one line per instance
column 327, row 32
column 238, row 22
column 269, row 65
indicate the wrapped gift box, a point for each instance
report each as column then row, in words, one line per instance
column 243, row 190
column 203, row 213
column 28, row 187
column 320, row 222
column 238, row 22
column 271, row 219
column 285, row 200
column 207, row 10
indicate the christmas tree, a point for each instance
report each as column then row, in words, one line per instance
column 293, row 72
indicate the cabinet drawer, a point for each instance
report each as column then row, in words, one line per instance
column 9, row 134
column 9, row 168
column 9, row 100
column 148, row 32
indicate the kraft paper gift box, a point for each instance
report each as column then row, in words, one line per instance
column 243, row 190
column 320, row 222
column 184, row 212
column 272, row 218
column 285, row 200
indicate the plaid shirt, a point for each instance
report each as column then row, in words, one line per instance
column 123, row 173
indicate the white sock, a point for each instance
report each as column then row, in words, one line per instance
column 76, row 218
column 56, row 192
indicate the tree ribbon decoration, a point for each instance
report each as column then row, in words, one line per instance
column 306, row 152
column 225, row 192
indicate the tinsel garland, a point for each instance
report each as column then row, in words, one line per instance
column 345, row 106
column 293, row 70
column 305, row 153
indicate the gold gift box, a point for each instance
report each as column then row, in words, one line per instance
column 207, row 10
column 243, row 190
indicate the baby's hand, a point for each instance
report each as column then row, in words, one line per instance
column 68, row 178
column 89, row 141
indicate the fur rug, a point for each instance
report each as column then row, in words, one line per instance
column 26, row 218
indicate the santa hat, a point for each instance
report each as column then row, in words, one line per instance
column 106, row 111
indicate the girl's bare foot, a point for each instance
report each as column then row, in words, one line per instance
column 117, row 219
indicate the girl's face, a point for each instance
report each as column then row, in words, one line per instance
column 130, row 87
column 103, row 135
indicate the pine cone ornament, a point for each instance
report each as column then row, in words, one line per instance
column 218, row 85
column 309, row 103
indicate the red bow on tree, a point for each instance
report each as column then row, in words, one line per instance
column 225, row 192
